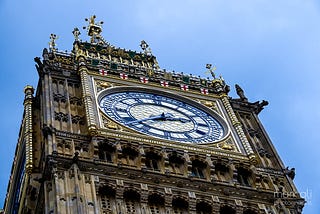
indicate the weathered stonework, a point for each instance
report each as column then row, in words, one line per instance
column 72, row 158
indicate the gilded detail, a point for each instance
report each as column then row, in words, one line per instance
column 109, row 131
column 28, row 127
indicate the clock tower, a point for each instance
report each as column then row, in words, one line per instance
column 108, row 131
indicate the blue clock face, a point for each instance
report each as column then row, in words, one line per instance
column 162, row 117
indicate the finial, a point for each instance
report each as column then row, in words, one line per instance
column 94, row 30
column 52, row 43
column 28, row 89
column 145, row 47
column 211, row 70
column 76, row 33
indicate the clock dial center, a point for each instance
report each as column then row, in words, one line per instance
column 161, row 117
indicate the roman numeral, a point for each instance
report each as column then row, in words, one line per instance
column 201, row 124
column 157, row 102
column 121, row 109
column 128, row 119
column 145, row 128
column 138, row 100
column 200, row 132
column 167, row 135
column 188, row 136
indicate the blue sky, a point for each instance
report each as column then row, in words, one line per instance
column 271, row 48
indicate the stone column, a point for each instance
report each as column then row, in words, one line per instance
column 168, row 200
column 88, row 97
column 238, row 127
column 28, row 90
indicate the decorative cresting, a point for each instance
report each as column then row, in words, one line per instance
column 220, row 86
column 105, row 59
column 28, row 90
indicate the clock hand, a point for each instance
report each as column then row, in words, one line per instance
column 163, row 116
column 183, row 120
column 160, row 116
column 170, row 117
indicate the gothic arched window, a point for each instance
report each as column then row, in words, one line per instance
column 180, row 206
column 132, row 201
column 203, row 208
column 156, row 204
column 176, row 164
column 129, row 156
column 222, row 172
column 227, row 210
column 249, row 211
column 153, row 161
column 243, row 176
column 107, row 199
column 198, row 169
column 106, row 152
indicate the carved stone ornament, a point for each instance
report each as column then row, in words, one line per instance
column 240, row 93
column 227, row 145
column 211, row 105
column 199, row 151
column 100, row 85
column 104, row 84
column 110, row 124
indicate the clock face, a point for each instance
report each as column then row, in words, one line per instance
column 162, row 116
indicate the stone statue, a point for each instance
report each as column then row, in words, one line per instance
column 76, row 33
column 240, row 93
column 290, row 172
column 75, row 158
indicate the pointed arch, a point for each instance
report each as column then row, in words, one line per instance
column 203, row 207
column 222, row 172
column 180, row 205
column 131, row 200
column 156, row 203
column 153, row 160
column 107, row 199
column 177, row 164
column 227, row 210
column 106, row 151
column 243, row 176
column 129, row 156
column 250, row 211
column 199, row 169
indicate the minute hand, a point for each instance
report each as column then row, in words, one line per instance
column 183, row 120
column 161, row 116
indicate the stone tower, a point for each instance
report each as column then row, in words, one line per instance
column 108, row 131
